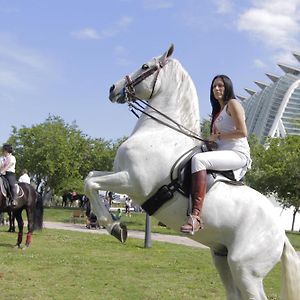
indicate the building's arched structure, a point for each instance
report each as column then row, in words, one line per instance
column 274, row 110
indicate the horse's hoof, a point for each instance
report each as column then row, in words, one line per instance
column 120, row 232
column 17, row 246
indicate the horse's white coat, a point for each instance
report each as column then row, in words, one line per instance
column 237, row 219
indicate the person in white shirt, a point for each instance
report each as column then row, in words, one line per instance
column 8, row 169
column 229, row 132
column 24, row 177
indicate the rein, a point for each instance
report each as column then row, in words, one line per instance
column 134, row 105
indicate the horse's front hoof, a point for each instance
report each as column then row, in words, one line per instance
column 120, row 232
column 17, row 246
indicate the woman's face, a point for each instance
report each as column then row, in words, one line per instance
column 218, row 89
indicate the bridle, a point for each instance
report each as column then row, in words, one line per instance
column 129, row 89
column 134, row 102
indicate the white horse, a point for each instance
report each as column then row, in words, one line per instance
column 240, row 228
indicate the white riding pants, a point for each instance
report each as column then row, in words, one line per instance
column 222, row 160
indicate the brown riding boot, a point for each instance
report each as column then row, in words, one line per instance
column 194, row 222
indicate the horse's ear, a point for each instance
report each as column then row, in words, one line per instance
column 168, row 53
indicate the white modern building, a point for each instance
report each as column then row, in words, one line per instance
column 274, row 109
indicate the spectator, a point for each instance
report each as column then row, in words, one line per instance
column 117, row 215
column 110, row 198
column 128, row 202
column 24, row 177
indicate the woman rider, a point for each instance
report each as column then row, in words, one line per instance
column 8, row 169
column 229, row 131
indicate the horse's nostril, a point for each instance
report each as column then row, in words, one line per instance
column 112, row 88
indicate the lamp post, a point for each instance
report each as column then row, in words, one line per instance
column 147, row 243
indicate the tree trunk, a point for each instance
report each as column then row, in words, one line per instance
column 294, row 217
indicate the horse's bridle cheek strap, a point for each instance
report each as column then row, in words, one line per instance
column 130, row 84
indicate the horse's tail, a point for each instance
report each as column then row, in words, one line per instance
column 290, row 273
column 38, row 213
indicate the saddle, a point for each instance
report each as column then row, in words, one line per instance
column 5, row 188
column 182, row 182
column 185, row 175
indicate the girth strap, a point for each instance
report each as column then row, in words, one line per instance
column 164, row 194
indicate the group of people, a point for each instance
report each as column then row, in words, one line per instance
column 228, row 131
column 8, row 169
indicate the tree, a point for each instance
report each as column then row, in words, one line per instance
column 59, row 155
column 205, row 129
column 276, row 170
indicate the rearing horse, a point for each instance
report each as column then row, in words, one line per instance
column 240, row 227
column 33, row 204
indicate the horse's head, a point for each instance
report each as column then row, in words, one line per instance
column 143, row 83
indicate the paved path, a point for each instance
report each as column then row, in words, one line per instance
column 173, row 239
column 166, row 238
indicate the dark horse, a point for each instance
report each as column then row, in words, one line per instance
column 33, row 204
column 68, row 198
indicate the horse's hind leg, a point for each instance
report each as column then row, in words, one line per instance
column 247, row 280
column 30, row 218
column 18, row 215
column 222, row 266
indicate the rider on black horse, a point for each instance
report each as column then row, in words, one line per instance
column 7, row 169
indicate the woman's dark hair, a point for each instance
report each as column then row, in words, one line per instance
column 228, row 94
column 8, row 148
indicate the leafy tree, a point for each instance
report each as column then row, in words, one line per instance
column 205, row 128
column 276, row 170
column 59, row 155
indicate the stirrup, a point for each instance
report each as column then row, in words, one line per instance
column 194, row 223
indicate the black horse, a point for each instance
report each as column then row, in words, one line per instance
column 32, row 202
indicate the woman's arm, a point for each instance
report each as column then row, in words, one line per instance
column 6, row 164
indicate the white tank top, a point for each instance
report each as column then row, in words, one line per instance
column 224, row 123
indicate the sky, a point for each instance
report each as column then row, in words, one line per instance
column 59, row 57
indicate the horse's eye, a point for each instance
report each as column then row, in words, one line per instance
column 145, row 67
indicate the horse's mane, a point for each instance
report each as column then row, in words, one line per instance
column 187, row 96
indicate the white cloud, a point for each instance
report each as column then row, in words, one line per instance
column 224, row 6
column 259, row 63
column 274, row 23
column 92, row 34
column 21, row 67
column 86, row 33
column 157, row 4
column 11, row 80
column 10, row 50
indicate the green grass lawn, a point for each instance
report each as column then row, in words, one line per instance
column 70, row 265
